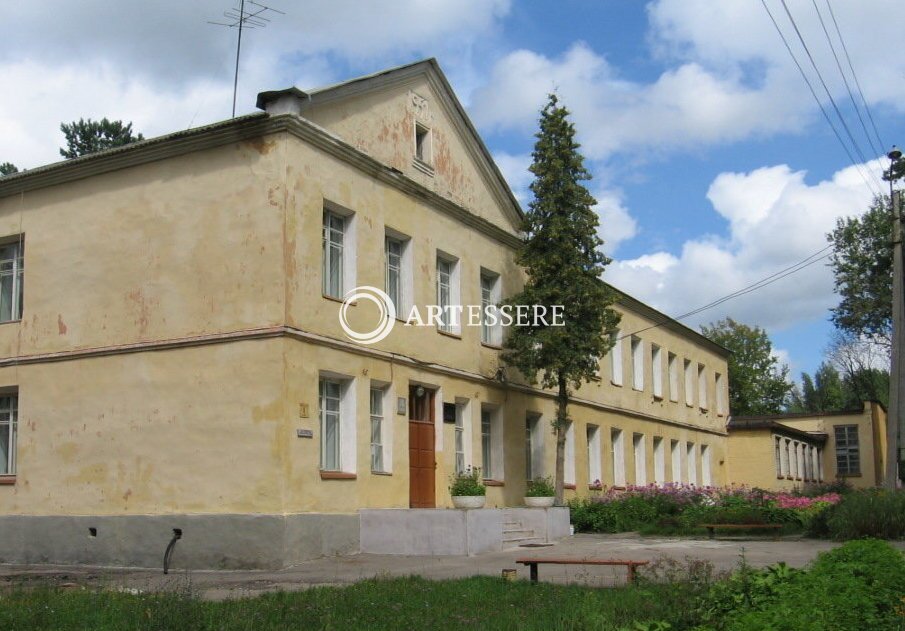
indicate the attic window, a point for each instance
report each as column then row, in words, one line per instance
column 422, row 143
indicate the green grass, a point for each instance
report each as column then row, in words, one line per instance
column 408, row 603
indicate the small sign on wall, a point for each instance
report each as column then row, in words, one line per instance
column 304, row 433
column 400, row 405
column 303, row 410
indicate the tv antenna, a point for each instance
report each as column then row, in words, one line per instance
column 241, row 19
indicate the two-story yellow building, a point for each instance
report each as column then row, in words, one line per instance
column 171, row 355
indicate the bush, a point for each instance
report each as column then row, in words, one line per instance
column 467, row 483
column 876, row 513
column 838, row 487
column 540, row 487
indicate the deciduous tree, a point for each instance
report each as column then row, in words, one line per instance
column 87, row 136
column 8, row 168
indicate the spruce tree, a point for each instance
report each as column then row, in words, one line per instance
column 87, row 136
column 8, row 168
column 563, row 262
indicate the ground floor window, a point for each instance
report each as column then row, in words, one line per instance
column 675, row 457
column 329, row 400
column 692, row 464
column 459, row 439
column 618, row 457
column 848, row 457
column 8, row 412
column 377, row 395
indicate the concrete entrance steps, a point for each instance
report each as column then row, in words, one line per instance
column 515, row 534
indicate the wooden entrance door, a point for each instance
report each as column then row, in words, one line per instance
column 422, row 460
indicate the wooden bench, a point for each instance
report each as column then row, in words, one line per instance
column 629, row 565
column 711, row 527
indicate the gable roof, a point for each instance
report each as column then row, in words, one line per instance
column 430, row 69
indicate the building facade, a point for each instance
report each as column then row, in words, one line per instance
column 785, row 451
column 171, row 356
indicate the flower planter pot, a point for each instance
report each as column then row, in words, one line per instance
column 468, row 501
column 539, row 502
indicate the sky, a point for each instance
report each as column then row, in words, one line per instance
column 713, row 164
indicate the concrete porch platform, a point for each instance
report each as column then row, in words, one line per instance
column 444, row 532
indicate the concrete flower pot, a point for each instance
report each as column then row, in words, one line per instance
column 468, row 501
column 539, row 502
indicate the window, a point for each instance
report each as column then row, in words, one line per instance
column 848, row 459
column 819, row 464
column 790, row 460
column 594, row 473
column 689, row 384
column 377, row 395
column 422, row 143
column 640, row 459
column 448, row 293
column 616, row 358
column 534, row 447
column 460, row 438
column 706, row 478
column 394, row 272
column 675, row 457
column 486, row 443
column 491, row 332
column 637, row 363
column 9, row 405
column 11, row 266
column 569, row 470
column 777, row 456
column 492, row 442
column 618, row 457
column 692, row 465
column 656, row 362
column 673, row 367
column 702, row 387
column 334, row 237
column 329, row 400
column 720, row 394
column 659, row 461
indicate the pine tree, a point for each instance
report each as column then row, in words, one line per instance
column 563, row 262
column 8, row 168
column 87, row 136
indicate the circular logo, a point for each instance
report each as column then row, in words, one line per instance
column 386, row 318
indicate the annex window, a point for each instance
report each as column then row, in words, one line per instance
column 848, row 458
column 720, row 394
column 640, row 459
column 675, row 457
column 422, row 143
column 491, row 332
column 691, row 461
column 777, row 456
column 656, row 362
column 449, row 319
column 689, row 383
column 637, row 363
column 9, row 411
column 702, row 387
column 11, row 268
column 659, row 461
column 616, row 358
column 338, row 254
column 618, row 457
column 673, row 368
column 706, row 477
column 378, row 429
column 594, row 471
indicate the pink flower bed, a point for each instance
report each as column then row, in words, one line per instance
column 783, row 500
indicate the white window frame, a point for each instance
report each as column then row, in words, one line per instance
column 618, row 450
column 346, row 247
column 689, row 382
column 491, row 295
column 637, row 350
column 9, row 425
column 346, row 428
column 703, row 402
column 691, row 462
column 639, row 449
column 423, row 143
column 675, row 461
column 673, row 369
column 616, row 376
column 450, row 320
column 405, row 290
column 659, row 461
column 706, row 471
column 569, row 464
column 386, row 426
column 720, row 394
column 534, row 449
column 492, row 442
column 595, row 471
column 12, row 266
column 777, row 456
column 656, row 362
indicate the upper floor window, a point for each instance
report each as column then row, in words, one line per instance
column 637, row 363
column 848, row 458
column 394, row 271
column 702, row 387
column 616, row 358
column 689, row 383
column 656, row 358
column 673, row 368
column 11, row 267
column 377, row 428
column 448, row 293
column 422, row 143
column 491, row 328
column 9, row 405
column 720, row 394
column 338, row 253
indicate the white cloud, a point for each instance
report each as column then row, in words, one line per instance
column 515, row 169
column 775, row 220
column 616, row 224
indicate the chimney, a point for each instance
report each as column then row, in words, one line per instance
column 288, row 101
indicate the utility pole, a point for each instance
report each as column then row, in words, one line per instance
column 895, row 425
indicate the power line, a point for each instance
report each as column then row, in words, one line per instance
column 851, row 96
column 854, row 75
column 760, row 284
column 817, row 99
column 827, row 90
